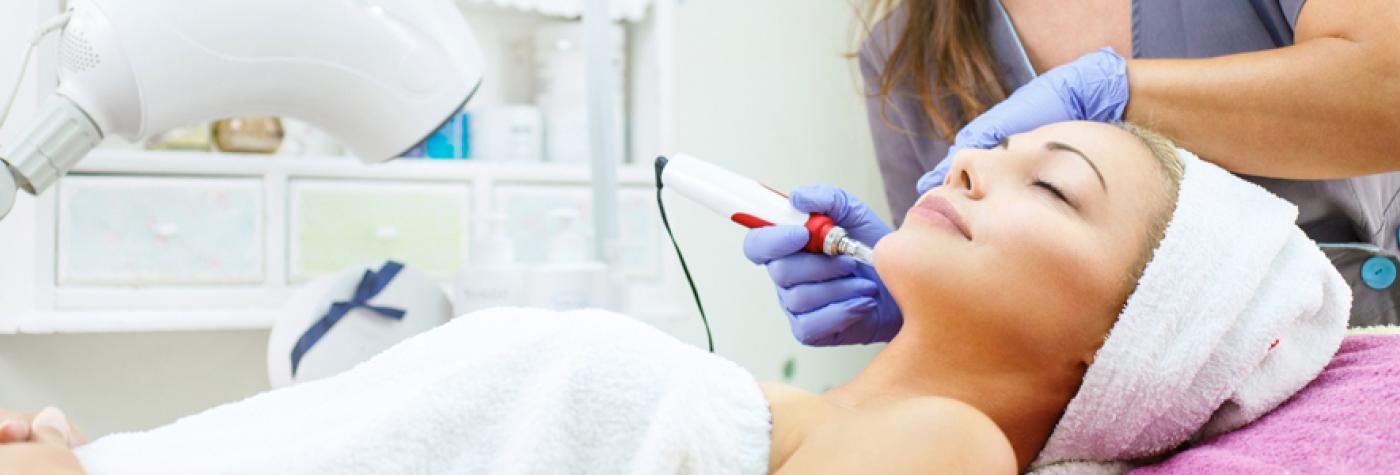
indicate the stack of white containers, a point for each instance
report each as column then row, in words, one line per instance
column 569, row 278
column 561, row 66
column 508, row 133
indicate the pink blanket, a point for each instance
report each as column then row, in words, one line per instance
column 1345, row 421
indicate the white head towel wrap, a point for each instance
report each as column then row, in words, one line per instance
column 1236, row 311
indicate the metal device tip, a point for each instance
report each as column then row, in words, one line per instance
column 858, row 250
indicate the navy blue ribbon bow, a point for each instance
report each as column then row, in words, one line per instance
column 370, row 285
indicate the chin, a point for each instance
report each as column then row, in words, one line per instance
column 904, row 259
column 887, row 252
column 933, row 272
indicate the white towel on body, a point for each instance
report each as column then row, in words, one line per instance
column 1236, row 311
column 497, row 391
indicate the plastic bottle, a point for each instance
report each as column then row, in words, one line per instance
column 491, row 277
column 570, row 278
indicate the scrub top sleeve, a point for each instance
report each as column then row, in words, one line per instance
column 1290, row 11
column 897, row 126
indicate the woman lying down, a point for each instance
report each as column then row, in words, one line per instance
column 1103, row 298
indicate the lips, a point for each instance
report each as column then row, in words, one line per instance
column 939, row 211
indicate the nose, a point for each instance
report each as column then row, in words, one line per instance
column 964, row 173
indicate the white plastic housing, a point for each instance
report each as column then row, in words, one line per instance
column 7, row 190
column 378, row 75
column 732, row 195
column 60, row 136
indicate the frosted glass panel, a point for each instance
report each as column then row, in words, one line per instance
column 336, row 225
column 134, row 231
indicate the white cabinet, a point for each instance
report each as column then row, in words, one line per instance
column 178, row 240
column 119, row 230
column 336, row 224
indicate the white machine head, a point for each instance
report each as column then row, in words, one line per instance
column 378, row 75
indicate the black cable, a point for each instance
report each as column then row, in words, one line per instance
column 661, row 164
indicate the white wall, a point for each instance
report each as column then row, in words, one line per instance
column 761, row 87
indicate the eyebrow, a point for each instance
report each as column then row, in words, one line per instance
column 1065, row 147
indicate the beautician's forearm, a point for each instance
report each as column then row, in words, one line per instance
column 1327, row 107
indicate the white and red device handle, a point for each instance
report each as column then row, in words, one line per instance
column 740, row 198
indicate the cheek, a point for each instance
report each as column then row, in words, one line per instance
column 1043, row 242
column 1041, row 277
column 1064, row 273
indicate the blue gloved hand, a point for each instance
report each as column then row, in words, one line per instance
column 829, row 300
column 1093, row 87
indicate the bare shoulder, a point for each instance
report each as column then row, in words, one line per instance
column 919, row 435
column 979, row 445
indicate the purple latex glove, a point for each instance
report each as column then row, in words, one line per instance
column 829, row 300
column 1093, row 87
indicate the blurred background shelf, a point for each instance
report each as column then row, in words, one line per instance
column 146, row 321
column 629, row 10
column 160, row 162
column 143, row 238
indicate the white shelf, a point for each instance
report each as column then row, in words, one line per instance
column 238, row 164
column 140, row 321
column 629, row 10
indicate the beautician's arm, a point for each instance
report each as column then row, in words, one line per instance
column 1326, row 107
column 924, row 435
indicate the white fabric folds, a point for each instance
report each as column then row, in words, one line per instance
column 497, row 391
column 1236, row 311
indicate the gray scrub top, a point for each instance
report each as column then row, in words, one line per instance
column 1352, row 218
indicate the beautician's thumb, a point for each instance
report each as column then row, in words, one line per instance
column 50, row 427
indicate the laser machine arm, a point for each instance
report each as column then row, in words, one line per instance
column 377, row 75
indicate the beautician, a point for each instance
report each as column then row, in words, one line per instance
column 1302, row 97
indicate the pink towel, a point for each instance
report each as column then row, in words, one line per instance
column 1345, row 421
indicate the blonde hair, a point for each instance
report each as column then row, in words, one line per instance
column 1163, row 150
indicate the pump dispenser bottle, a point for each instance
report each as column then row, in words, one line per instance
column 491, row 277
column 570, row 278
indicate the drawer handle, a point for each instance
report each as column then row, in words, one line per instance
column 167, row 230
column 386, row 233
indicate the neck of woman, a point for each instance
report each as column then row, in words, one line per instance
column 1024, row 398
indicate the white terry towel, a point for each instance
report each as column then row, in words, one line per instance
column 1236, row 311
column 497, row 391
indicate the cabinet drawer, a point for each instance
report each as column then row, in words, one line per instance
column 338, row 224
column 119, row 230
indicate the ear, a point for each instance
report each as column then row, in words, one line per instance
column 1087, row 359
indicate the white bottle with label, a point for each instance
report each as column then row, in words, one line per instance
column 570, row 278
column 492, row 277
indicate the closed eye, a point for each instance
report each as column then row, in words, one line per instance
column 1053, row 190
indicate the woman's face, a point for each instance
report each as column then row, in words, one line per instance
column 1027, row 248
